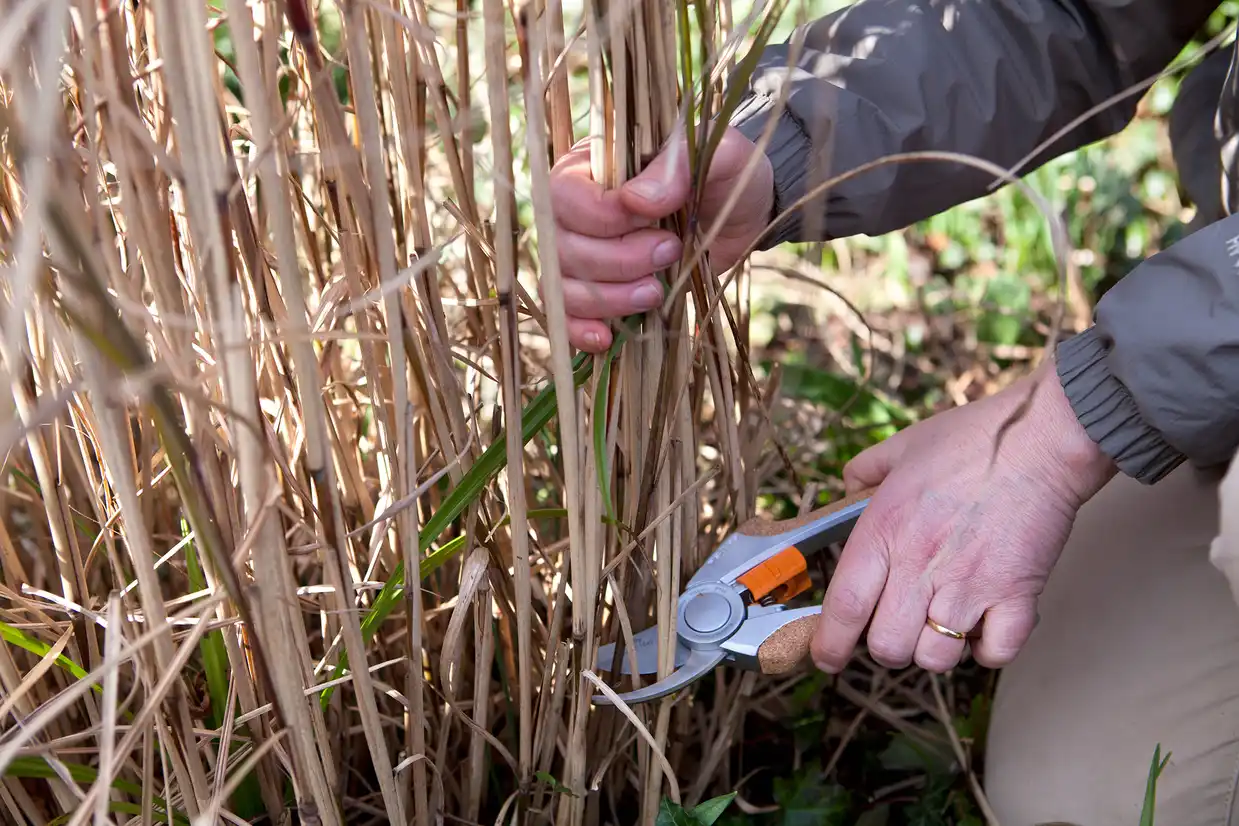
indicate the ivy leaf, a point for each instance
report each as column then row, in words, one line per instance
column 908, row 754
column 807, row 800
column 673, row 814
column 975, row 725
column 711, row 810
column 703, row 814
column 555, row 785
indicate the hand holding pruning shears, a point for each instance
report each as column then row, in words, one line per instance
column 959, row 519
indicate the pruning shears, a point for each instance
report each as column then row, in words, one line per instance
column 734, row 609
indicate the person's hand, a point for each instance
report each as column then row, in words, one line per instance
column 609, row 247
column 948, row 537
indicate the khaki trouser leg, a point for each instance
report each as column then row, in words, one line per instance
column 1138, row 645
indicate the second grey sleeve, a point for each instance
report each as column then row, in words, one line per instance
column 1155, row 381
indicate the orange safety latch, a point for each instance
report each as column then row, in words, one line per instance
column 785, row 575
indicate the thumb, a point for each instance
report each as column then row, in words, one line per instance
column 662, row 187
column 870, row 467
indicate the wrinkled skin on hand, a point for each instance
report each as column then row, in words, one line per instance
column 951, row 537
column 610, row 247
column 960, row 529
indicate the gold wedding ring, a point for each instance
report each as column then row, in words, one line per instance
column 942, row 629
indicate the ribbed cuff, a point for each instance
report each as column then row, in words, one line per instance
column 788, row 151
column 1108, row 412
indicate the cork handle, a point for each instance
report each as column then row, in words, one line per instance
column 787, row 647
column 765, row 527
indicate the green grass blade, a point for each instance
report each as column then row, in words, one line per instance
column 535, row 417
column 15, row 636
column 435, row 559
column 118, row 808
column 247, row 799
column 1150, row 790
column 214, row 656
column 738, row 82
column 601, row 402
column 36, row 768
column 686, row 67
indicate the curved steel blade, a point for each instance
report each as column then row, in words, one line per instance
column 645, row 643
column 700, row 662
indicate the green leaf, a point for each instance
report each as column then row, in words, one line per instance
column 247, row 800
column 601, row 399
column 864, row 406
column 998, row 328
column 907, row 754
column 15, row 636
column 703, row 814
column 673, row 814
column 930, row 809
column 214, row 655
column 555, row 785
column 738, row 84
column 37, row 768
column 1150, row 790
column 534, row 417
column 975, row 725
column 808, row 800
column 113, row 806
column 711, row 810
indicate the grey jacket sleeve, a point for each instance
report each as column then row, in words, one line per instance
column 991, row 79
column 1155, row 381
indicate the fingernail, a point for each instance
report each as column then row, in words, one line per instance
column 666, row 253
column 647, row 297
column 646, row 189
column 593, row 340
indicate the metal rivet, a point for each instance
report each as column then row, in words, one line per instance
column 707, row 612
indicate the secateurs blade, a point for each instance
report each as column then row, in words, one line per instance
column 734, row 609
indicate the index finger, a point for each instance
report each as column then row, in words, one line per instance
column 583, row 206
column 851, row 597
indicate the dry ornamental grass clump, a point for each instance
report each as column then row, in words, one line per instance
column 311, row 515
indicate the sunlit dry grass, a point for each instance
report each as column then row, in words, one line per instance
column 311, row 515
column 269, row 330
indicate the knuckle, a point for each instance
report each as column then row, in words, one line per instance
column 845, row 606
column 993, row 655
column 850, row 478
column 576, row 301
column 883, row 521
column 823, row 653
column 936, row 662
column 887, row 652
